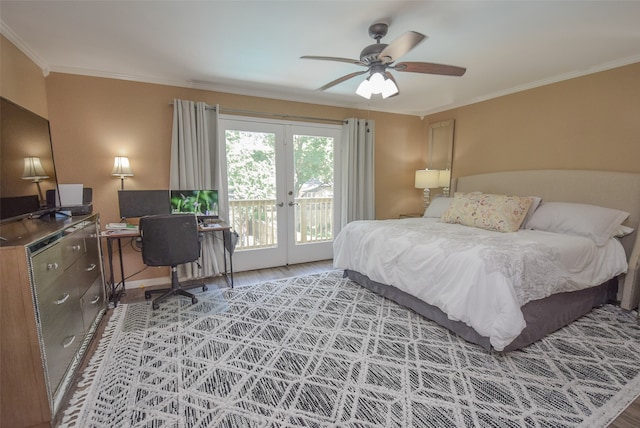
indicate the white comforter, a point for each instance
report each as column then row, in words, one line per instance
column 479, row 277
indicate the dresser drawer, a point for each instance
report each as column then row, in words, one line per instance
column 86, row 270
column 91, row 241
column 62, row 338
column 57, row 299
column 47, row 266
column 72, row 247
column 61, row 326
column 92, row 302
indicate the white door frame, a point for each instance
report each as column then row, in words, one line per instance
column 286, row 252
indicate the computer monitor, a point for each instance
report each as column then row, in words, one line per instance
column 199, row 202
column 139, row 203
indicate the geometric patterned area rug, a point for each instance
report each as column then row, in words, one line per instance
column 321, row 351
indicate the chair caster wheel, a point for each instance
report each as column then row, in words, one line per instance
column 147, row 295
column 194, row 300
column 205, row 288
column 155, row 306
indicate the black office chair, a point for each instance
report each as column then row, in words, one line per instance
column 170, row 240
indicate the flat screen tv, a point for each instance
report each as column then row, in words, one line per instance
column 27, row 169
column 139, row 203
column 199, row 202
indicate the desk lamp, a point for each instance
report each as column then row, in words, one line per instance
column 121, row 169
column 34, row 171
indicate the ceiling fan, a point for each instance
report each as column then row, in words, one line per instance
column 378, row 58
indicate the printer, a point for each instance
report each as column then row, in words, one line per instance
column 85, row 208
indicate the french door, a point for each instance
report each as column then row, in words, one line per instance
column 283, row 195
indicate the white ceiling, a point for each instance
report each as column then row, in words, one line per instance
column 254, row 47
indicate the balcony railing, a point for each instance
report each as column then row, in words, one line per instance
column 255, row 220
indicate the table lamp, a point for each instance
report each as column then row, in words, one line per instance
column 121, row 169
column 427, row 179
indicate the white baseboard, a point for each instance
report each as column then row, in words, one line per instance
column 150, row 282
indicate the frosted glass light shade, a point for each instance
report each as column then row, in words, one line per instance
column 33, row 169
column 121, row 167
column 427, row 179
column 389, row 88
column 364, row 89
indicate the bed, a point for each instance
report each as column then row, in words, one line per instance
column 505, row 291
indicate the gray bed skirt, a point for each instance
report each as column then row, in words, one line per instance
column 542, row 316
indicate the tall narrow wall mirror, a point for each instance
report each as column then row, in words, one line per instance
column 441, row 149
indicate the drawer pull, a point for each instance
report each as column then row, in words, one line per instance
column 64, row 298
column 95, row 299
column 52, row 266
column 76, row 247
column 68, row 341
column 91, row 267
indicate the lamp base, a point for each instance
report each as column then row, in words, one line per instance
column 41, row 199
column 427, row 201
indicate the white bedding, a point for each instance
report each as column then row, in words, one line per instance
column 476, row 276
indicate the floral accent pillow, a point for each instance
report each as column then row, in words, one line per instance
column 501, row 213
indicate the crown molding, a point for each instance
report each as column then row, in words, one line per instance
column 7, row 32
column 538, row 83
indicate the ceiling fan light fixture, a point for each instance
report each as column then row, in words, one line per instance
column 377, row 83
column 389, row 89
column 364, row 89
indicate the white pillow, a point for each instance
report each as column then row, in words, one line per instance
column 623, row 231
column 532, row 208
column 591, row 221
column 437, row 207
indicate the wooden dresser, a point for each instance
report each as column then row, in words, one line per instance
column 52, row 298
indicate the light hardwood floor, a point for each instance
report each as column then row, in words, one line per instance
column 630, row 418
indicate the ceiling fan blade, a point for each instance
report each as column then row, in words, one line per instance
column 429, row 68
column 400, row 46
column 342, row 79
column 332, row 58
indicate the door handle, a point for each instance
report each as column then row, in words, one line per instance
column 293, row 203
column 281, row 204
column 63, row 299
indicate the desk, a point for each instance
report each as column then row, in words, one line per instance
column 117, row 288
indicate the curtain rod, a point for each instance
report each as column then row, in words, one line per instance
column 266, row 114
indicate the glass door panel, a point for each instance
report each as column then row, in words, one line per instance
column 251, row 172
column 313, row 188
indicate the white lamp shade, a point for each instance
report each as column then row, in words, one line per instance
column 121, row 167
column 427, row 178
column 444, row 178
column 33, row 169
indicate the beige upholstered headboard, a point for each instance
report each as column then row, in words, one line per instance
column 618, row 190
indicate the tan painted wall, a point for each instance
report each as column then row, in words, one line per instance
column 21, row 80
column 591, row 122
column 94, row 119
